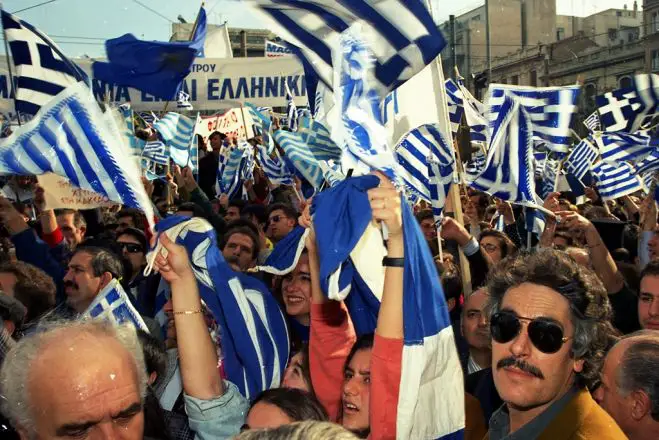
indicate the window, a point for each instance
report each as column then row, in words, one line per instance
column 476, row 18
column 613, row 34
column 655, row 60
column 589, row 95
column 560, row 33
column 534, row 78
column 503, row 81
column 514, row 80
column 625, row 82
column 654, row 22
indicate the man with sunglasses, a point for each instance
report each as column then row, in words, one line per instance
column 282, row 219
column 549, row 326
column 133, row 244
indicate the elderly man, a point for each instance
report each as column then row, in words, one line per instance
column 76, row 380
column 630, row 385
column 648, row 299
column 549, row 329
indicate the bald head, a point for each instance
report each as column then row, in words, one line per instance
column 76, row 378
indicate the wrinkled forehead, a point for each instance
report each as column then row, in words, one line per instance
column 530, row 300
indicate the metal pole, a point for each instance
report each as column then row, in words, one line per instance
column 454, row 57
column 487, row 42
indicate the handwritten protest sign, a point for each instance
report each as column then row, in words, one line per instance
column 234, row 123
column 60, row 193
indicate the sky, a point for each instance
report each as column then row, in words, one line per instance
column 80, row 26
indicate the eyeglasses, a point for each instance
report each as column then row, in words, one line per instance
column 545, row 334
column 274, row 219
column 132, row 248
column 489, row 248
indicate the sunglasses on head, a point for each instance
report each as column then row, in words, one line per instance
column 132, row 248
column 545, row 334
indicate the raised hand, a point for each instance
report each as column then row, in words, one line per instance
column 174, row 264
column 385, row 204
column 452, row 230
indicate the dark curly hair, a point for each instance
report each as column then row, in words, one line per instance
column 590, row 310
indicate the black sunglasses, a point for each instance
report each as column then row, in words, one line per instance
column 545, row 334
column 274, row 218
column 132, row 248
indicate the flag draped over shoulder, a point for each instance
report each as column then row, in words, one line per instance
column 155, row 67
column 71, row 137
column 430, row 374
column 401, row 32
column 254, row 338
column 42, row 70
column 112, row 304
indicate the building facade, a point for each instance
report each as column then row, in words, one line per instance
column 651, row 35
column 244, row 42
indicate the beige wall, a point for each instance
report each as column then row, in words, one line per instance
column 540, row 21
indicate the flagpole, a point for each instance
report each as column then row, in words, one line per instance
column 11, row 75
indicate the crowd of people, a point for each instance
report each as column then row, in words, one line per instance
column 557, row 334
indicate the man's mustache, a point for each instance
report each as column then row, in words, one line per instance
column 70, row 284
column 523, row 366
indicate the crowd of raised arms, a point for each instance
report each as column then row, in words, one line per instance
column 557, row 340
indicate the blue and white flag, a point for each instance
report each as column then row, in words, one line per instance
column 123, row 118
column 592, row 122
column 41, row 69
column 649, row 164
column 624, row 147
column 630, row 109
column 508, row 173
column 413, row 154
column 254, row 338
column 401, row 32
column 285, row 255
column 229, row 175
column 473, row 110
column 614, row 181
column 581, row 159
column 440, row 179
column 261, row 118
column 274, row 168
column 177, row 131
column 549, row 109
column 157, row 152
column 70, row 137
column 361, row 133
column 298, row 153
column 331, row 172
column 319, row 141
column 477, row 164
column 183, row 101
column 455, row 104
column 550, row 176
column 113, row 304
column 430, row 372
column 193, row 163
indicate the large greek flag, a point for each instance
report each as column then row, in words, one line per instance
column 581, row 159
column 624, row 147
column 508, row 173
column 156, row 152
column 254, row 338
column 319, row 141
column 615, row 180
column 177, row 131
column 112, row 304
column 401, row 33
column 549, row 109
column 413, row 153
column 229, row 175
column 631, row 108
column 431, row 377
column 70, row 137
column 473, row 110
column 41, row 69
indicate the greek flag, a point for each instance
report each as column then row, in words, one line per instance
column 401, row 32
column 177, row 131
column 194, row 154
column 70, row 137
column 474, row 112
column 649, row 164
column 455, row 105
column 291, row 109
column 549, row 109
column 581, row 159
column 361, row 133
column 624, row 147
column 273, row 167
column 413, row 153
column 183, row 101
column 127, row 127
column 229, row 173
column 440, row 179
column 41, row 69
column 614, row 181
column 297, row 151
column 254, row 338
column 430, row 371
column 475, row 165
column 112, row 304
column 508, row 173
column 331, row 172
column 592, row 122
column 319, row 141
column 550, row 176
column 261, row 118
column 157, row 152
column 630, row 109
